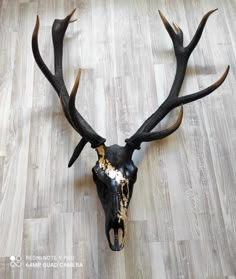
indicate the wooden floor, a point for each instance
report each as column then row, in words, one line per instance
column 182, row 217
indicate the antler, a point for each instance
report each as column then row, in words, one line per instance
column 144, row 134
column 57, row 81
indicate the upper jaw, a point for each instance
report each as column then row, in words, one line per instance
column 118, row 239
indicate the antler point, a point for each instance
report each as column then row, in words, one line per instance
column 36, row 28
column 211, row 12
column 161, row 15
column 226, row 72
column 71, row 21
column 72, row 11
column 176, row 27
column 70, row 16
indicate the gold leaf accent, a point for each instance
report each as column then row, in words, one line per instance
column 113, row 173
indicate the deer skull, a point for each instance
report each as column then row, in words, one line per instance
column 115, row 173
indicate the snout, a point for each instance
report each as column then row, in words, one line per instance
column 115, row 232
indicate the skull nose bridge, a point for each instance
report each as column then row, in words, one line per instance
column 115, row 202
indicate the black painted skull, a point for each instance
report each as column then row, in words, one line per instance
column 114, row 175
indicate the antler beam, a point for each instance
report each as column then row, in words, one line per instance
column 182, row 56
column 57, row 81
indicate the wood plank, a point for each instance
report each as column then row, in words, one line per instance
column 182, row 217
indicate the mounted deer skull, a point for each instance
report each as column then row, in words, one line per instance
column 115, row 172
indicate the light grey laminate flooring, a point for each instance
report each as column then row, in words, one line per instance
column 182, row 216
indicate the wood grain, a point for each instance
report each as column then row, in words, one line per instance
column 182, row 217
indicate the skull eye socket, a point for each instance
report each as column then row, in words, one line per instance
column 98, row 175
column 131, row 172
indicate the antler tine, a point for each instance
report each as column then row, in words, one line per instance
column 150, row 136
column 59, row 28
column 199, row 31
column 57, row 81
column 200, row 94
column 38, row 57
column 77, row 152
column 182, row 53
column 172, row 101
column 83, row 128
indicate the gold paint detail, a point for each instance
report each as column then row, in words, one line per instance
column 113, row 173
column 122, row 215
